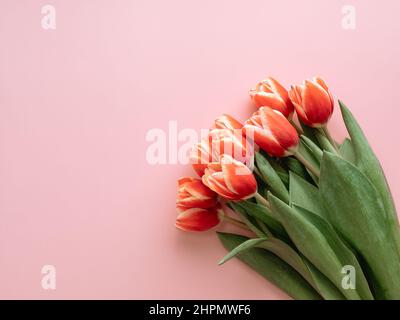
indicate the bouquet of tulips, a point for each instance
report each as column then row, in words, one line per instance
column 317, row 216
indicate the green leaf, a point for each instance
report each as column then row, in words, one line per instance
column 289, row 255
column 315, row 278
column 265, row 215
column 355, row 209
column 320, row 244
column 310, row 133
column 323, row 285
column 250, row 221
column 278, row 165
column 324, row 141
column 347, row 151
column 368, row 163
column 305, row 195
column 317, row 152
column 343, row 252
column 271, row 268
column 248, row 244
column 309, row 155
column 297, row 167
column 271, row 177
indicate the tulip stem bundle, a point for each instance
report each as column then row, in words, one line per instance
column 322, row 219
column 235, row 222
column 331, row 140
column 307, row 164
column 262, row 200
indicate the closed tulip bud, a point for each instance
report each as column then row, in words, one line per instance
column 272, row 132
column 230, row 178
column 192, row 193
column 197, row 206
column 313, row 102
column 270, row 93
column 217, row 143
column 198, row 219
column 227, row 122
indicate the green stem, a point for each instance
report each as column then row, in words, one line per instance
column 264, row 228
column 330, row 138
column 252, row 227
column 298, row 129
column 307, row 164
column 235, row 222
column 263, row 201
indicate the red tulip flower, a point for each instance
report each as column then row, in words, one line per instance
column 272, row 132
column 227, row 122
column 217, row 143
column 270, row 93
column 230, row 178
column 193, row 193
column 313, row 102
column 197, row 206
column 198, row 219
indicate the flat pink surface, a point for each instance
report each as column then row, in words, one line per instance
column 76, row 103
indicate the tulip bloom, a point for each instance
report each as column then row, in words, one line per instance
column 227, row 122
column 197, row 206
column 313, row 102
column 230, row 178
column 272, row 132
column 198, row 219
column 218, row 142
column 270, row 93
column 193, row 193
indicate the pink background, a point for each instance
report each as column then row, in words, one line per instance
column 76, row 190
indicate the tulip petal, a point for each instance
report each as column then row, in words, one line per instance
column 196, row 219
column 199, row 190
column 238, row 177
column 192, row 193
column 183, row 180
column 216, row 182
column 227, row 122
column 317, row 104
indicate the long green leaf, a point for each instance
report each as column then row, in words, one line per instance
column 355, row 209
column 271, row 177
column 298, row 168
column 300, row 263
column 250, row 221
column 265, row 215
column 308, row 153
column 319, row 243
column 341, row 249
column 272, row 268
column 368, row 163
column 323, row 141
column 322, row 284
column 347, row 151
column 317, row 152
column 305, row 195
column 248, row 244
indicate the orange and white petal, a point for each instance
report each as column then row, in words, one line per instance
column 196, row 219
column 238, row 178
column 184, row 180
column 216, row 182
column 323, row 84
column 227, row 122
column 281, row 129
column 193, row 193
column 197, row 189
column 272, row 100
